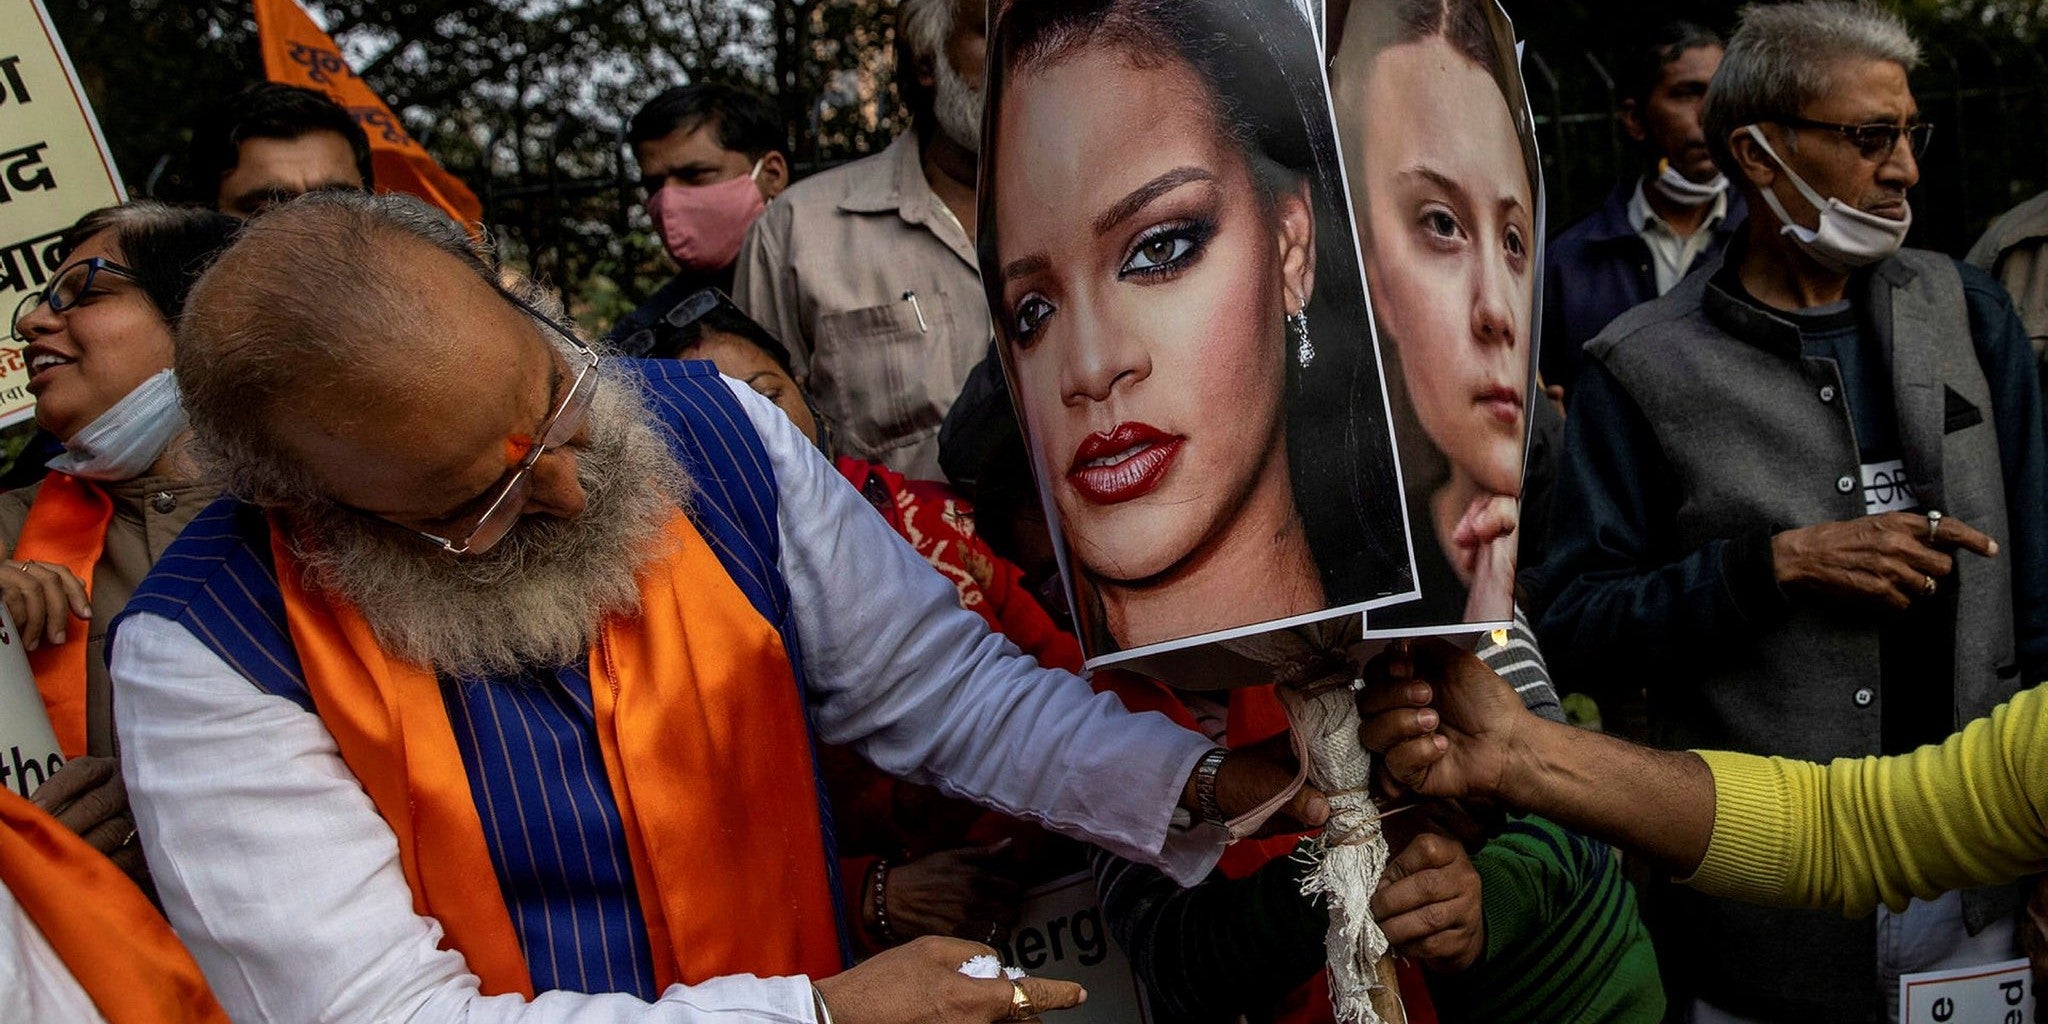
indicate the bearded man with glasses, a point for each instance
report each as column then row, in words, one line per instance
column 1814, row 503
column 491, row 694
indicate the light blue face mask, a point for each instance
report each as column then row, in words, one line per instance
column 126, row 439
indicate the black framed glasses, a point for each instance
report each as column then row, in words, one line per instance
column 1876, row 140
column 65, row 292
column 559, row 429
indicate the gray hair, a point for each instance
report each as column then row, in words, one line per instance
column 1783, row 56
column 287, row 309
column 926, row 24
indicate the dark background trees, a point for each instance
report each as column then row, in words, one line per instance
column 527, row 99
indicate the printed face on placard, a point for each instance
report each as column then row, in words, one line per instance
column 1168, row 248
column 1447, row 192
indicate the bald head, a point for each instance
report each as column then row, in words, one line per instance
column 359, row 349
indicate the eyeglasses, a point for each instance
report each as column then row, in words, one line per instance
column 696, row 306
column 1876, row 140
column 566, row 422
column 63, row 293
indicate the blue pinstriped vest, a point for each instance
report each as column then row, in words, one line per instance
column 529, row 745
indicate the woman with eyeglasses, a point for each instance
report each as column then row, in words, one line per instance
column 99, row 357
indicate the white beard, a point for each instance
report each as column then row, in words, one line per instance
column 538, row 598
column 957, row 106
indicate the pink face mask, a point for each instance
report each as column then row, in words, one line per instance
column 703, row 225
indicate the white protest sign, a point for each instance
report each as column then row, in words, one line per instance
column 54, row 168
column 2000, row 993
column 1060, row 934
column 28, row 746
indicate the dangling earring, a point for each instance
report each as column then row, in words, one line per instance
column 1304, row 349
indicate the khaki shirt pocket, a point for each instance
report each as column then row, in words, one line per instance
column 872, row 372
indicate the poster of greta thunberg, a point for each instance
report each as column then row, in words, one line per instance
column 1439, row 151
column 1179, row 265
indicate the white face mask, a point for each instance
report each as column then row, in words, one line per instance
column 1847, row 237
column 126, row 439
column 1683, row 190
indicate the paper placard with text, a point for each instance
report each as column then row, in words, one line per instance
column 2000, row 993
column 28, row 745
column 1060, row 934
column 54, row 168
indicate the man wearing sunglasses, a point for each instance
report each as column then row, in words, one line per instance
column 1811, row 483
column 494, row 697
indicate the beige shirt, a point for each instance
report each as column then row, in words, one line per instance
column 1672, row 254
column 2015, row 250
column 870, row 280
column 149, row 513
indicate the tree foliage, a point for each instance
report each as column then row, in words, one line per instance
column 527, row 99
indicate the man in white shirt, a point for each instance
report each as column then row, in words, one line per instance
column 495, row 701
column 867, row 271
column 1654, row 229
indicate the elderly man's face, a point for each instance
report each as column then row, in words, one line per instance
column 967, row 47
column 1864, row 92
column 431, row 448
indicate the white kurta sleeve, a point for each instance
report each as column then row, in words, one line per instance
column 899, row 671
column 35, row 984
column 279, row 874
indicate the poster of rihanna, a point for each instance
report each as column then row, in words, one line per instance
column 1272, row 367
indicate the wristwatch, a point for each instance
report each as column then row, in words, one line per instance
column 1205, row 788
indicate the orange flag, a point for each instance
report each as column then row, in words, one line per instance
column 297, row 52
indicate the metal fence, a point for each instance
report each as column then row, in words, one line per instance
column 1988, row 100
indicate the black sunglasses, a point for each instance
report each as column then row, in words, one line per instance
column 1876, row 140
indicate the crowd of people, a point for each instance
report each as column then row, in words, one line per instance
column 414, row 656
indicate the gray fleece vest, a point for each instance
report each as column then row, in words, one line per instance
column 1759, row 436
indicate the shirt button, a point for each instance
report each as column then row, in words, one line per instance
column 1827, row 393
column 1846, row 484
column 163, row 502
column 1864, row 697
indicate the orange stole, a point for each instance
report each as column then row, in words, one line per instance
column 67, row 525
column 104, row 929
column 705, row 745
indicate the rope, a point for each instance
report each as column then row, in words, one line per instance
column 1354, row 852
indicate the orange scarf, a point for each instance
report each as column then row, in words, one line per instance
column 67, row 526
column 114, row 942
column 704, row 743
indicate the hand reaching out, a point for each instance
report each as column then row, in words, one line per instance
column 920, row 982
column 1444, row 724
column 43, row 598
column 1429, row 904
column 968, row 892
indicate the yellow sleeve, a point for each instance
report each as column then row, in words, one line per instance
column 1971, row 811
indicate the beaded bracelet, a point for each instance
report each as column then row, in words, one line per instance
column 878, row 900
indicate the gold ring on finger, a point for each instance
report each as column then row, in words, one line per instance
column 1930, row 585
column 1021, row 1008
column 23, row 566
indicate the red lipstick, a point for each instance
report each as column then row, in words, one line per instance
column 1126, row 463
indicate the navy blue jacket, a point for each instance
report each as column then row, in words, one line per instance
column 1597, row 270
